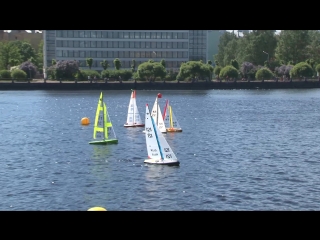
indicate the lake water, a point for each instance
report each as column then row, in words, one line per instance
column 239, row 150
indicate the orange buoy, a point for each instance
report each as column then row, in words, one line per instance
column 97, row 209
column 85, row 121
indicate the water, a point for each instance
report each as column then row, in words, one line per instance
column 239, row 150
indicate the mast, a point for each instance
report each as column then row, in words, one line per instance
column 134, row 117
column 103, row 118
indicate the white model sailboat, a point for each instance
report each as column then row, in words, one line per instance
column 157, row 116
column 170, row 120
column 133, row 117
column 102, row 125
column 159, row 151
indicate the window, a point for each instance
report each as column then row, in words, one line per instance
column 185, row 54
column 174, row 54
column 143, row 35
column 148, row 55
column 132, row 54
column 70, row 34
column 175, row 35
column 109, row 44
column 64, row 43
column 158, row 44
column 82, row 44
column 143, row 54
column 131, row 44
column 179, row 44
column 125, row 35
column 110, row 54
column 169, row 35
column 174, row 64
column 70, row 44
column 59, row 43
column 163, row 45
column 93, row 44
column 142, row 44
column 185, row 45
column 116, row 54
column 70, row 53
column 169, row 54
column 76, row 34
column 120, row 54
column 153, row 35
column 147, row 44
column 64, row 53
column 76, row 44
column 169, row 64
column 75, row 54
column 104, row 34
column 104, row 54
column 179, row 35
column 137, row 44
column 104, row 44
column 120, row 44
column 115, row 35
column 147, row 34
column 93, row 54
column 164, row 54
column 185, row 35
column 169, row 44
column 137, row 54
column 126, row 44
column 82, row 54
column 158, row 35
column 179, row 54
column 64, row 33
column 159, row 55
column 87, row 44
column 86, row 34
column 126, row 54
column 99, row 44
column 81, row 34
column 59, row 53
column 115, row 44
column 109, row 34
column 58, row 33
column 174, row 45
column 93, row 34
column 164, row 35
column 153, row 44
column 88, row 54
column 131, row 35
column 120, row 34
column 98, row 34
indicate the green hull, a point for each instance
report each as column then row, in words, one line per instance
column 104, row 142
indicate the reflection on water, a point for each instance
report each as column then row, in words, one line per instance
column 100, row 152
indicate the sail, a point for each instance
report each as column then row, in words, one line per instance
column 157, row 145
column 157, row 116
column 173, row 120
column 133, row 117
column 151, row 140
column 98, row 129
column 166, row 115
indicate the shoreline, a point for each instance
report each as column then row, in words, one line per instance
column 127, row 85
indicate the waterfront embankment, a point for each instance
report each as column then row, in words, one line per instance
column 127, row 85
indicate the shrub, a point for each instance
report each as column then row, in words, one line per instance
column 18, row 74
column 83, row 74
column 229, row 71
column 67, row 69
column 5, row 74
column 264, row 73
column 29, row 68
column 318, row 68
column 301, row 69
column 51, row 72
column 217, row 70
column 283, row 70
column 125, row 74
column 105, row 74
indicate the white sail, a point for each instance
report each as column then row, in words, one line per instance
column 133, row 116
column 157, row 116
column 159, row 151
column 170, row 120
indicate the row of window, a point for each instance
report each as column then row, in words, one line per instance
column 120, row 44
column 121, row 54
column 114, row 34
column 127, row 64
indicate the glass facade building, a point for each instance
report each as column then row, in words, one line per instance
column 174, row 46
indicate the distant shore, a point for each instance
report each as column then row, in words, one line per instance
column 39, row 84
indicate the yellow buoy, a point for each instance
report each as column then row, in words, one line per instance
column 97, row 209
column 85, row 121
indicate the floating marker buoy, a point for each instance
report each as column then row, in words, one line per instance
column 85, row 121
column 97, row 209
column 159, row 95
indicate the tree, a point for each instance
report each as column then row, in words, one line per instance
column 224, row 40
column 53, row 62
column 283, row 70
column 235, row 63
column 209, row 62
column 163, row 62
column 151, row 70
column 9, row 55
column 292, row 45
column 264, row 73
column 301, row 69
column 229, row 72
column 39, row 57
column 193, row 69
column 67, row 69
column 25, row 49
column 104, row 64
column 29, row 68
column 318, row 69
column 18, row 74
column 117, row 63
column 133, row 65
column 89, row 62
column 217, row 70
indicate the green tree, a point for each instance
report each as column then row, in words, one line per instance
column 318, row 69
column 151, row 70
column 53, row 62
column 223, row 42
column 292, row 45
column 301, row 69
column 313, row 49
column 217, row 70
column 104, row 64
column 39, row 57
column 117, row 63
column 9, row 55
column 25, row 49
column 89, row 62
column 264, row 73
column 18, row 74
column 163, row 62
column 235, row 63
column 133, row 65
column 229, row 72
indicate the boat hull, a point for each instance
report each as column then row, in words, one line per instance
column 174, row 130
column 136, row 125
column 104, row 142
column 167, row 162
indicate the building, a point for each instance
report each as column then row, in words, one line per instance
column 34, row 36
column 174, row 46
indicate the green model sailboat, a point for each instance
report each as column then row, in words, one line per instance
column 103, row 130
